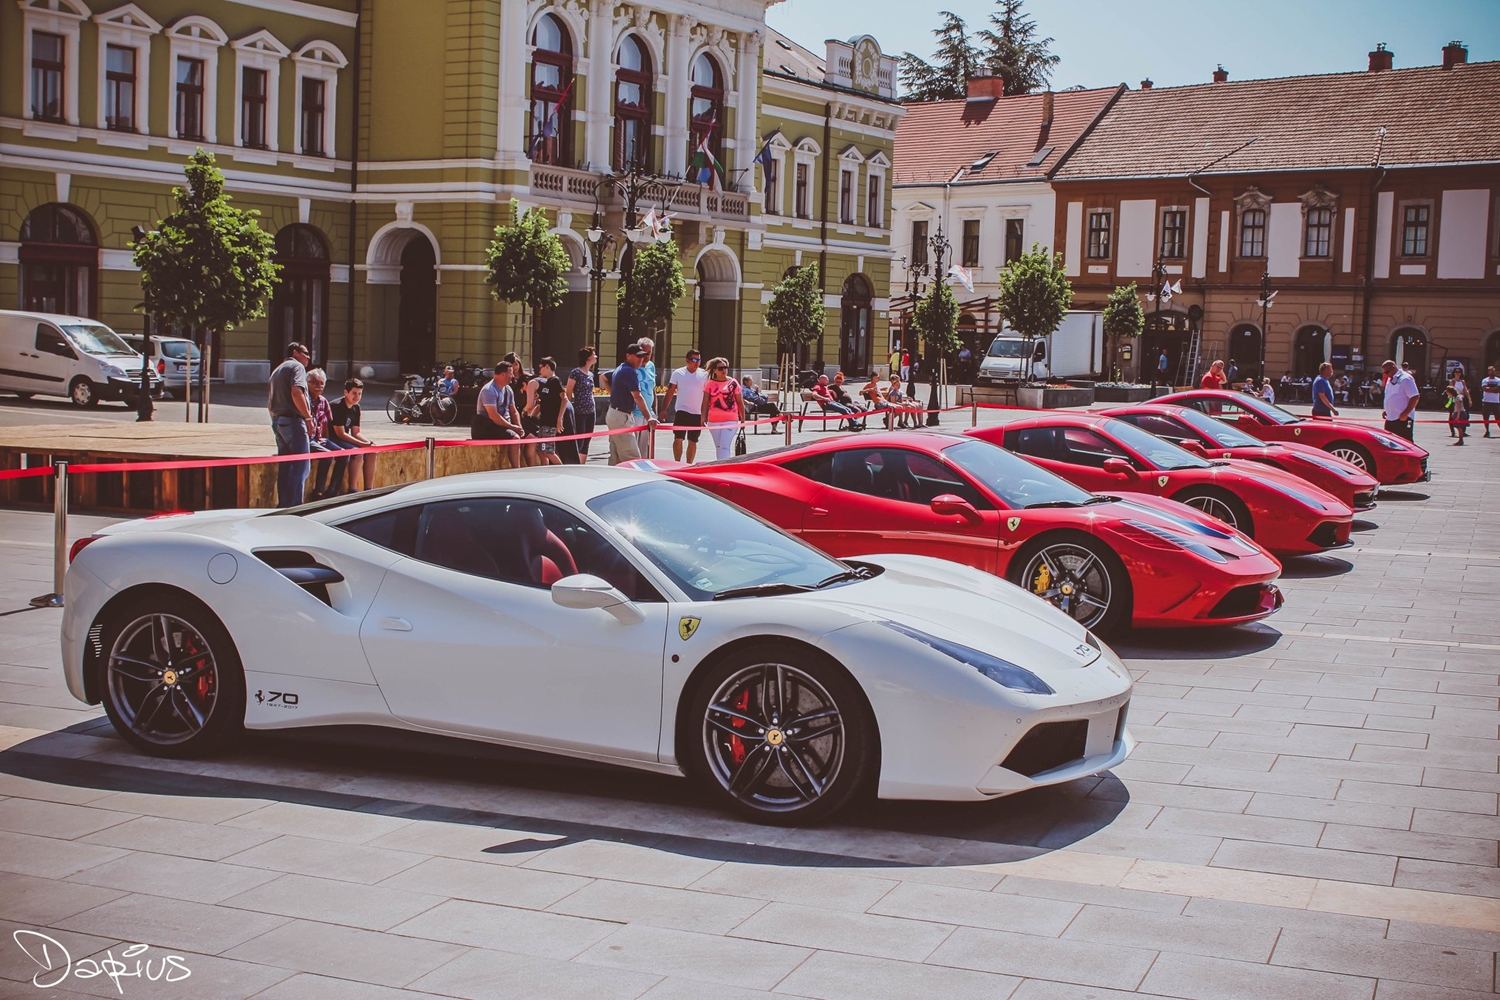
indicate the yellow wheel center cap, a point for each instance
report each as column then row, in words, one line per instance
column 1067, row 590
column 169, row 678
column 775, row 737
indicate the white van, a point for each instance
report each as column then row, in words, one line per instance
column 43, row 354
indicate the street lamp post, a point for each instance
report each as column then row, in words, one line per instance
column 600, row 242
column 940, row 246
column 144, row 407
column 636, row 187
column 1266, row 295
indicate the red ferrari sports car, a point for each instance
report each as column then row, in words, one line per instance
column 1201, row 434
column 1285, row 514
column 1104, row 560
column 1392, row 460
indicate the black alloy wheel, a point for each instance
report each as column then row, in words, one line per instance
column 1079, row 577
column 173, row 684
column 783, row 737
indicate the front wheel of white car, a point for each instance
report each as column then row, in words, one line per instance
column 783, row 736
column 172, row 681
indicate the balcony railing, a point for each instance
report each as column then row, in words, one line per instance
column 688, row 201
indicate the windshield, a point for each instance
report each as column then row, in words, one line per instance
column 1218, row 433
column 1012, row 478
column 92, row 338
column 708, row 546
column 1271, row 412
column 1160, row 452
column 180, row 349
column 1005, row 349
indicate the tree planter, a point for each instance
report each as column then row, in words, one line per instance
column 1123, row 393
column 1046, row 398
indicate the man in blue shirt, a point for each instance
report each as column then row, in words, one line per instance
column 625, row 400
column 1322, row 392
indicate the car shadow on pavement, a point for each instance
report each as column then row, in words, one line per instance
column 310, row 767
column 1401, row 496
column 1195, row 644
column 1316, row 567
column 1360, row 524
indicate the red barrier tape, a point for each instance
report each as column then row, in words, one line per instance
column 41, row 470
column 217, row 463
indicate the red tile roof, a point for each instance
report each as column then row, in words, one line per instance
column 936, row 140
column 1430, row 115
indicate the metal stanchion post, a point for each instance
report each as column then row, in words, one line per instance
column 650, row 440
column 788, row 419
column 973, row 411
column 59, row 540
column 431, row 458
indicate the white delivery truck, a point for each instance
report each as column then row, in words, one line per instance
column 1074, row 350
column 72, row 356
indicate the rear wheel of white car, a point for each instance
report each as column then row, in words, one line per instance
column 172, row 681
column 83, row 392
column 783, row 736
column 1079, row 577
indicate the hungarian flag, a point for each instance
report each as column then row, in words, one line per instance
column 706, row 167
column 550, row 126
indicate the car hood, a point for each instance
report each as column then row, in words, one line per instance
column 1181, row 519
column 1322, row 458
column 965, row 606
column 1291, row 486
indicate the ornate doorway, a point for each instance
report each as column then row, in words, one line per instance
column 59, row 257
column 854, row 326
column 299, row 309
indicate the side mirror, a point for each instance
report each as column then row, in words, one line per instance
column 948, row 505
column 1120, row 467
column 585, row 592
column 1196, row 447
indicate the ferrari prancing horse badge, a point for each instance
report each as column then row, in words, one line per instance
column 1013, row 523
column 687, row 627
column 1161, row 480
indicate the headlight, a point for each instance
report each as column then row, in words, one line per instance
column 1002, row 672
column 1172, row 538
column 114, row 371
column 1392, row 442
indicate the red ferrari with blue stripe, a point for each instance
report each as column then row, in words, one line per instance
column 1104, row 560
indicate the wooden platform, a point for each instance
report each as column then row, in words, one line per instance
column 185, row 489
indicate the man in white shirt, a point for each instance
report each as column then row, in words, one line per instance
column 684, row 404
column 1489, row 392
column 1401, row 396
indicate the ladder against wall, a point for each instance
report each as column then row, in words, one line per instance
column 1187, row 365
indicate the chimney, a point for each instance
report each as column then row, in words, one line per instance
column 1381, row 59
column 986, row 88
column 1454, row 54
column 1049, row 105
column 1221, row 75
column 1146, row 84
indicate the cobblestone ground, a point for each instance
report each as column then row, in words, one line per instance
column 1311, row 813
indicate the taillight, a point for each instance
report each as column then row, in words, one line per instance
column 166, row 513
column 80, row 545
column 161, row 368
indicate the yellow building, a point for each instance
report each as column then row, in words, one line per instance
column 383, row 141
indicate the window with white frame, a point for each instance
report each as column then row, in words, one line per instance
column 1318, row 240
column 194, row 46
column 847, row 178
column 125, row 55
column 772, row 182
column 804, row 203
column 875, row 171
column 1173, row 233
column 318, row 66
column 257, row 63
column 1101, row 231
column 50, row 31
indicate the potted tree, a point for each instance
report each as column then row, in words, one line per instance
column 1034, row 297
column 1123, row 322
column 526, row 263
column 797, row 315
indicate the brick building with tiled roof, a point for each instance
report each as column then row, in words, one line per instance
column 1367, row 201
column 976, row 171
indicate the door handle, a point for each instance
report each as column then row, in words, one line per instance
column 395, row 624
column 818, row 511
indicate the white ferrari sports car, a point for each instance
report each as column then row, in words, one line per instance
column 607, row 614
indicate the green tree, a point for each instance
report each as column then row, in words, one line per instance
column 208, row 267
column 796, row 310
column 1011, row 50
column 650, row 297
column 1123, row 317
column 936, row 319
column 1034, row 294
column 526, row 263
column 946, row 78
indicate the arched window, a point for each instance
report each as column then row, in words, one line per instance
column 550, row 128
column 633, row 97
column 1310, row 348
column 1409, row 346
column 299, row 309
column 706, row 109
column 59, row 256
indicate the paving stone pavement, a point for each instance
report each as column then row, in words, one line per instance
column 1311, row 813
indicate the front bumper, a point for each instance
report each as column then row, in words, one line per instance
column 124, row 388
column 1063, row 749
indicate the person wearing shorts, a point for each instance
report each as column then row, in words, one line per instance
column 723, row 407
column 685, row 390
column 548, row 390
column 1489, row 398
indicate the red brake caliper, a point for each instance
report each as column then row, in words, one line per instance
column 737, row 745
column 205, row 680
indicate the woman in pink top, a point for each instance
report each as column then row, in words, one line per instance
column 723, row 407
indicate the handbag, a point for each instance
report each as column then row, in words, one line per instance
column 740, row 445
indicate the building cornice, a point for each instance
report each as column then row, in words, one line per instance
column 299, row 8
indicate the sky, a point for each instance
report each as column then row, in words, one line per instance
column 1174, row 42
